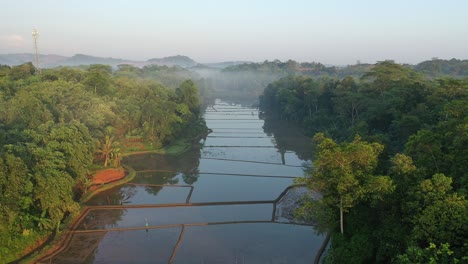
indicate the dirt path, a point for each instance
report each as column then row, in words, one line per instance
column 108, row 175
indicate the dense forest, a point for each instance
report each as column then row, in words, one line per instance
column 58, row 126
column 249, row 79
column 390, row 144
column 391, row 148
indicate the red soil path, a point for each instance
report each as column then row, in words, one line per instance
column 108, row 175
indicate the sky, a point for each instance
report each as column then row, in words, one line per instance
column 335, row 32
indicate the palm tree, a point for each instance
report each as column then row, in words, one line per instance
column 116, row 156
column 106, row 147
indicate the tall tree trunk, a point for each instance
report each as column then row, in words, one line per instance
column 106, row 160
column 341, row 215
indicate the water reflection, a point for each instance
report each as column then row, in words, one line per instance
column 131, row 194
column 223, row 188
column 136, row 246
column 185, row 162
column 124, row 218
column 248, row 243
column 191, row 177
column 289, row 138
column 216, row 204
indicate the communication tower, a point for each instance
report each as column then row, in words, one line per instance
column 35, row 35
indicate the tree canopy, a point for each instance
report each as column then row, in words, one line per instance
column 417, row 213
column 55, row 127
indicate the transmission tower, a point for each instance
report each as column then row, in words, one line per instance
column 35, row 35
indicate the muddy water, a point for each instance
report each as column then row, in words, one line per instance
column 210, row 205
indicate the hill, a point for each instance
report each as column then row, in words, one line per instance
column 52, row 61
column 178, row 60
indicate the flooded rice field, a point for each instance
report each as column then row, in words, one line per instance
column 216, row 204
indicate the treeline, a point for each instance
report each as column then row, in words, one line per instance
column 169, row 76
column 437, row 67
column 54, row 126
column 249, row 79
column 418, row 129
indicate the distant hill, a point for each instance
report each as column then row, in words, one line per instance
column 51, row 61
column 20, row 58
column 431, row 68
column 178, row 60
column 82, row 59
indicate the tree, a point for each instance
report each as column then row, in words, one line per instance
column 116, row 156
column 53, row 185
column 128, row 71
column 387, row 74
column 15, row 188
column 188, row 95
column 440, row 214
column 431, row 255
column 347, row 100
column 98, row 79
column 22, row 71
column 106, row 147
column 343, row 173
column 26, row 111
column 51, row 128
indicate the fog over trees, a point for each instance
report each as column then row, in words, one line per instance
column 390, row 144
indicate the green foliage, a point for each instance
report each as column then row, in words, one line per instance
column 129, row 71
column 437, row 67
column 442, row 149
column 108, row 148
column 15, row 188
column 353, row 250
column 250, row 79
column 171, row 77
column 12, row 244
column 53, row 127
column 22, row 71
column 188, row 95
column 344, row 173
column 432, row 254
column 98, row 79
column 395, row 106
column 440, row 215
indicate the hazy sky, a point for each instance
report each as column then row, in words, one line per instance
column 327, row 31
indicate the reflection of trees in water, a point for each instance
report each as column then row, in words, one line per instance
column 115, row 196
column 187, row 164
column 126, row 193
column 154, row 190
column 81, row 249
column 156, row 177
column 182, row 162
column 191, row 178
column 101, row 219
column 191, row 175
column 288, row 138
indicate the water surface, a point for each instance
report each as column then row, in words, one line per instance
column 210, row 205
